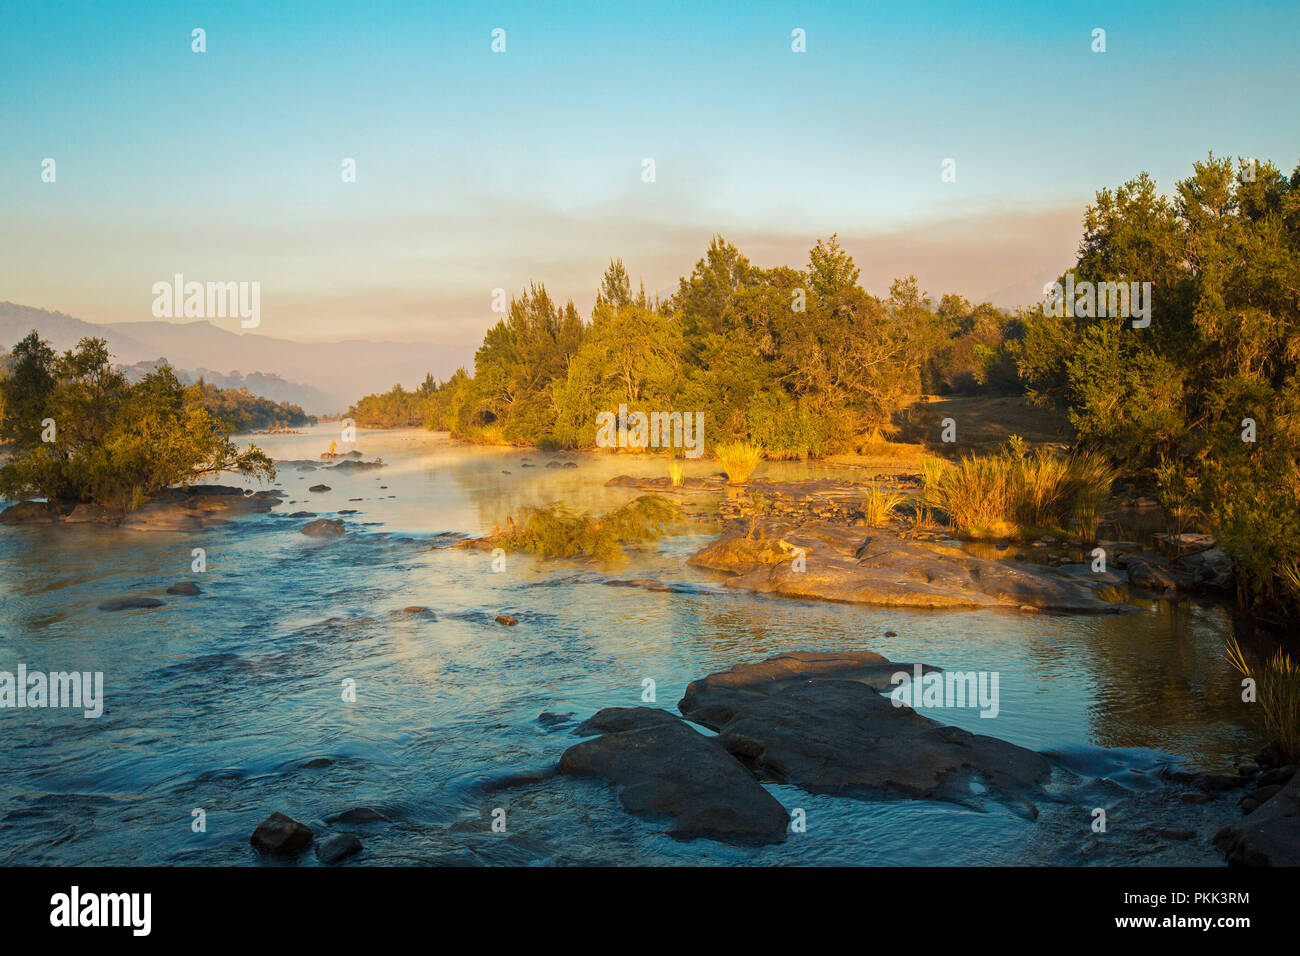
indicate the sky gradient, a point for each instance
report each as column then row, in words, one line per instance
column 478, row 170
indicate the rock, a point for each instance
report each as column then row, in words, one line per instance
column 323, row 528
column 1177, row 545
column 28, row 512
column 358, row 465
column 199, row 507
column 1210, row 569
column 358, row 815
column 1170, row 833
column 822, row 722
column 1277, row 775
column 86, row 513
column 417, row 610
column 303, row 514
column 663, row 767
column 1264, row 794
column 280, row 835
column 507, row 620
column 128, row 603
column 184, row 587
column 1147, row 575
column 337, row 847
column 1268, row 837
column 319, row 488
column 882, row 569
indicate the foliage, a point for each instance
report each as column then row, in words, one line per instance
column 112, row 442
column 556, row 531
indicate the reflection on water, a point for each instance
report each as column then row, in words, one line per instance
column 230, row 701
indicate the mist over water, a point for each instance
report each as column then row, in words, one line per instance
column 230, row 701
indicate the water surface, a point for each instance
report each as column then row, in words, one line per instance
column 231, row 701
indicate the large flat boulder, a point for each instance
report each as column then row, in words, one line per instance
column 664, row 768
column 1269, row 836
column 821, row 721
column 860, row 566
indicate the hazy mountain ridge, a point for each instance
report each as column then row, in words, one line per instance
column 322, row 377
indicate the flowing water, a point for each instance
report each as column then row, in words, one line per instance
column 230, row 702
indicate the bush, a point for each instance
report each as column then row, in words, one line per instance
column 556, row 531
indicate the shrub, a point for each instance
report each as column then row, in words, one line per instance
column 556, row 531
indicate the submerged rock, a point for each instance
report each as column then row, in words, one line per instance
column 319, row 488
column 663, row 767
column 28, row 512
column 175, row 509
column 1269, row 836
column 822, row 722
column 841, row 563
column 323, row 528
column 358, row 815
column 128, row 603
column 337, row 847
column 280, row 835
column 184, row 587
column 507, row 620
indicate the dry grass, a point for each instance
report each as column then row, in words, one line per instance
column 1017, row 492
column 1277, row 689
column 879, row 505
column 556, row 531
column 739, row 459
column 676, row 474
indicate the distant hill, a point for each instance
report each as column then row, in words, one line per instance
column 259, row 383
column 322, row 377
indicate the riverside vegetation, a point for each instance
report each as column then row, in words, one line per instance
column 1201, row 407
column 79, row 432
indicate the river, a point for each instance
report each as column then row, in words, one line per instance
column 230, row 702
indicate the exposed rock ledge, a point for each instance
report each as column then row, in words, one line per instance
column 821, row 721
column 865, row 566
column 817, row 720
column 177, row 509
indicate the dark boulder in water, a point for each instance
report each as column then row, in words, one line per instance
column 1269, row 836
column 664, row 768
column 184, row 587
column 129, row 603
column 323, row 528
column 337, row 847
column 822, row 722
column 358, row 815
column 319, row 488
column 280, row 835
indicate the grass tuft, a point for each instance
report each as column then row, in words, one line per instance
column 739, row 459
column 1277, row 690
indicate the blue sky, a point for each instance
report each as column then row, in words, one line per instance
column 477, row 170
